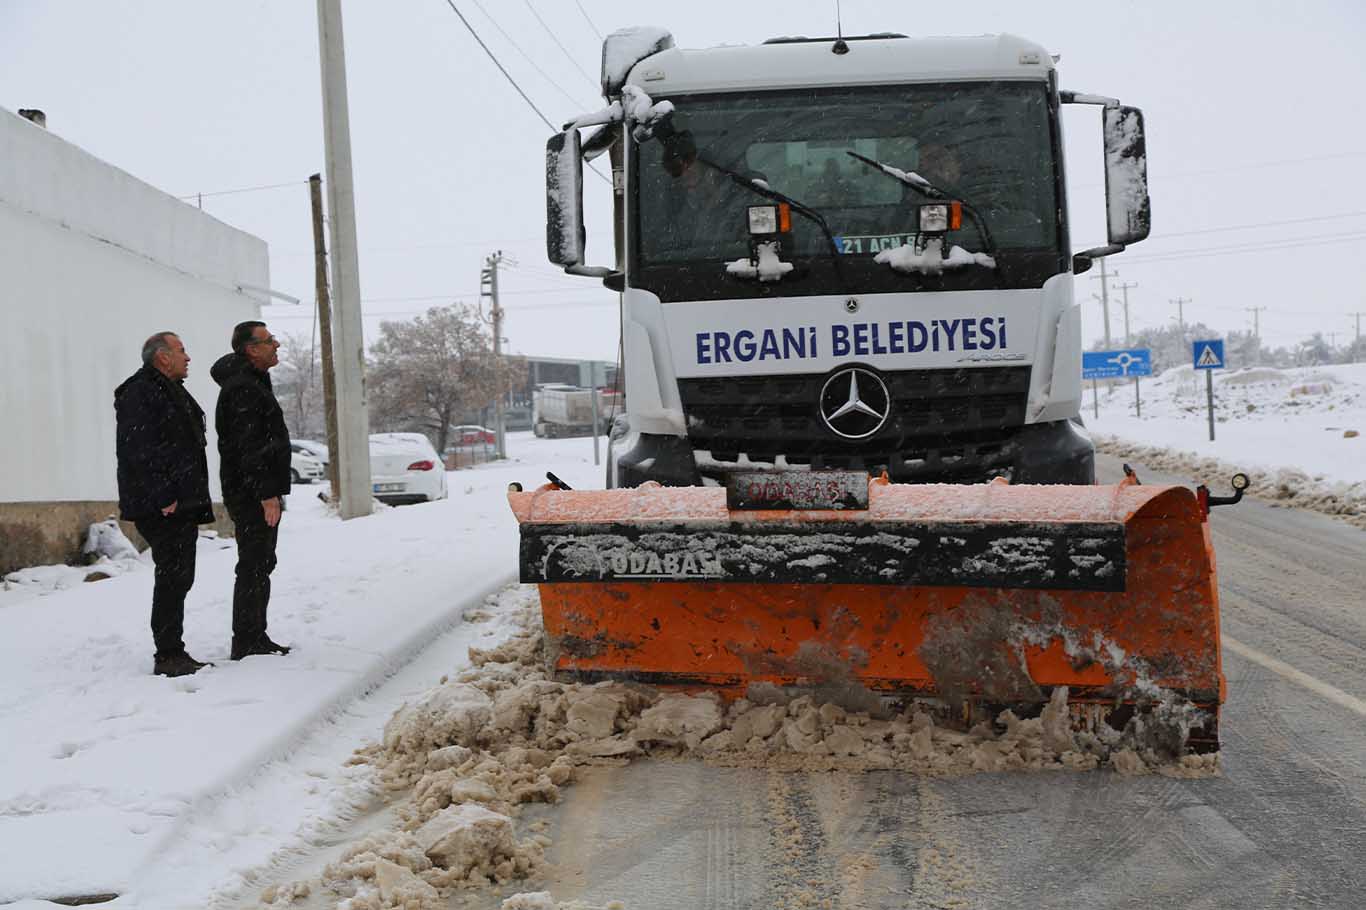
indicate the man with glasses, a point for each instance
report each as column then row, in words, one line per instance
column 253, row 446
column 164, row 485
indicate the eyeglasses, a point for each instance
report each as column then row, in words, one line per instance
column 269, row 339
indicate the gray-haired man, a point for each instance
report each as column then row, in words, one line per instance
column 164, row 485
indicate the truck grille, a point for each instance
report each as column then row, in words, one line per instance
column 938, row 416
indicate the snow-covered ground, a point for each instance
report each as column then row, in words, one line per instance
column 182, row 793
column 1302, row 429
column 167, row 791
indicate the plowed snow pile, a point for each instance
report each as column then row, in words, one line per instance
column 1298, row 433
column 472, row 751
column 1280, row 486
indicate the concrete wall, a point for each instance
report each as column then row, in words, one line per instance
column 92, row 261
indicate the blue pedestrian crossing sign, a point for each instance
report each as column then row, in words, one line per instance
column 1116, row 364
column 1208, row 355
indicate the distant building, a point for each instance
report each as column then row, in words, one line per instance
column 92, row 261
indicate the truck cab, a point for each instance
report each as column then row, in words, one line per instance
column 843, row 253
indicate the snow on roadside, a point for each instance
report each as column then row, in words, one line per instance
column 106, row 767
column 466, row 756
column 1299, row 434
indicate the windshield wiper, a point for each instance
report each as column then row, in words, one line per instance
column 761, row 188
column 930, row 191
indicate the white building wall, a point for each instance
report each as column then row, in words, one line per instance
column 92, row 261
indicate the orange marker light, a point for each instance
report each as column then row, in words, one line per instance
column 784, row 218
column 955, row 215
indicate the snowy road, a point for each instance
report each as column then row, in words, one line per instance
column 1285, row 826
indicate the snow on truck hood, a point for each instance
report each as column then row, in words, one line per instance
column 869, row 62
column 888, row 331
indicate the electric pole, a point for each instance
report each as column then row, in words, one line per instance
column 1356, row 345
column 353, row 421
column 1256, row 312
column 1104, row 299
column 315, row 192
column 1180, row 303
column 488, row 287
column 1125, row 289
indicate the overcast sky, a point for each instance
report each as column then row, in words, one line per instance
column 1255, row 139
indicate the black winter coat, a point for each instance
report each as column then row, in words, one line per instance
column 159, row 443
column 253, row 442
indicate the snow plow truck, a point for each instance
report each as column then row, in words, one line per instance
column 852, row 457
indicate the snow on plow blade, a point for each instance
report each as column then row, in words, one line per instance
column 972, row 597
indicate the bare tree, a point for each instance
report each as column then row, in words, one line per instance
column 427, row 372
column 299, row 386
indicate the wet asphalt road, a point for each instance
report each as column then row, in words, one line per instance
column 1284, row 826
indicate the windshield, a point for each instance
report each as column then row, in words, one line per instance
column 989, row 143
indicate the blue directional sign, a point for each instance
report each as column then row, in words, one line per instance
column 1208, row 355
column 1116, row 364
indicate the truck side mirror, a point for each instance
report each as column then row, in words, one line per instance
column 1127, row 208
column 565, row 236
column 1126, row 176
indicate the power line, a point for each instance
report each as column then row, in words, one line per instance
column 1244, row 167
column 568, row 56
column 1237, row 249
column 1264, row 224
column 544, row 119
column 1263, row 164
column 417, row 311
column 526, row 56
column 502, row 69
column 586, row 19
column 246, row 189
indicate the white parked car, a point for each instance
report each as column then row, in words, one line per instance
column 316, row 449
column 304, row 467
column 405, row 468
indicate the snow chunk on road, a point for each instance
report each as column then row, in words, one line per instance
column 468, row 838
column 541, row 900
column 680, row 720
column 450, row 714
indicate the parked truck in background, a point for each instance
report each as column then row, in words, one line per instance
column 843, row 253
column 566, row 410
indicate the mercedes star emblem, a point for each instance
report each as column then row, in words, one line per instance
column 851, row 304
column 854, row 403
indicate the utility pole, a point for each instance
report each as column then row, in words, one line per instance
column 1125, row 288
column 1104, row 299
column 353, row 421
column 488, row 287
column 1180, row 303
column 1256, row 312
column 315, row 192
column 1356, row 346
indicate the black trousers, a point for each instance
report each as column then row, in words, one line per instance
column 255, row 561
column 173, row 540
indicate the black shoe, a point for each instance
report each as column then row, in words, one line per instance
column 180, row 664
column 262, row 645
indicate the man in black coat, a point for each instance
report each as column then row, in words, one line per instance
column 164, row 485
column 254, row 453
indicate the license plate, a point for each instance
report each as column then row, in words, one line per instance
column 800, row 490
column 388, row 487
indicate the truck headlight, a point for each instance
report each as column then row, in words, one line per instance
column 770, row 219
column 940, row 217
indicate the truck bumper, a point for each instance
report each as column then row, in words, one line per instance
column 1056, row 452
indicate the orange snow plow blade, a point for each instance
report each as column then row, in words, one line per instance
column 971, row 597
